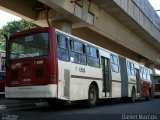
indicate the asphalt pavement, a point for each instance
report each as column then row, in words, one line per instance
column 105, row 110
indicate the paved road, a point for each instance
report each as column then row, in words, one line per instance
column 141, row 110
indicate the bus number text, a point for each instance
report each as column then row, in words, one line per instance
column 80, row 69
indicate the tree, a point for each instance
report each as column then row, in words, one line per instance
column 12, row 27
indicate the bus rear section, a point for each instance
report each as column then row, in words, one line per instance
column 31, row 68
column 136, row 80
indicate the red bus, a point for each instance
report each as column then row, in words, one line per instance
column 50, row 64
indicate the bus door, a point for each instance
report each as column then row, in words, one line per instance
column 106, row 76
column 138, row 80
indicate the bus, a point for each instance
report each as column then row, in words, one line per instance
column 46, row 63
column 156, row 85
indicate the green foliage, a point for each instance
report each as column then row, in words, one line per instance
column 12, row 27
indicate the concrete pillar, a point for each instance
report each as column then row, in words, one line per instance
column 63, row 25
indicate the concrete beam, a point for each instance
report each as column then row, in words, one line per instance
column 87, row 15
column 111, row 28
column 63, row 25
column 74, row 12
column 103, row 23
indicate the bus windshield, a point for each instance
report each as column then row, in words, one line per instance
column 29, row 45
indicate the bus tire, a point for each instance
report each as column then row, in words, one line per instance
column 133, row 96
column 92, row 96
column 148, row 97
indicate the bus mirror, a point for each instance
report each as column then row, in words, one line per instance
column 7, row 51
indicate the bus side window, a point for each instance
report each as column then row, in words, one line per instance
column 144, row 74
column 77, row 53
column 114, row 63
column 62, row 48
column 141, row 73
column 131, row 69
column 148, row 75
column 93, row 57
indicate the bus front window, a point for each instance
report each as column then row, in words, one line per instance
column 30, row 45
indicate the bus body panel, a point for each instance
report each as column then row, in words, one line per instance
column 74, row 82
column 116, row 84
column 30, row 72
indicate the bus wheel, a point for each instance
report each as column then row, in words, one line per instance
column 92, row 96
column 149, row 96
column 133, row 96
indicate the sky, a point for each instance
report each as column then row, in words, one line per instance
column 6, row 17
column 155, row 4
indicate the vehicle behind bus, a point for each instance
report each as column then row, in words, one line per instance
column 2, row 72
column 156, row 85
column 2, row 82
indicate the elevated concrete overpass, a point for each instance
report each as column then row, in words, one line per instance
column 121, row 26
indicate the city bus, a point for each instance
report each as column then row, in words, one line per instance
column 46, row 63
